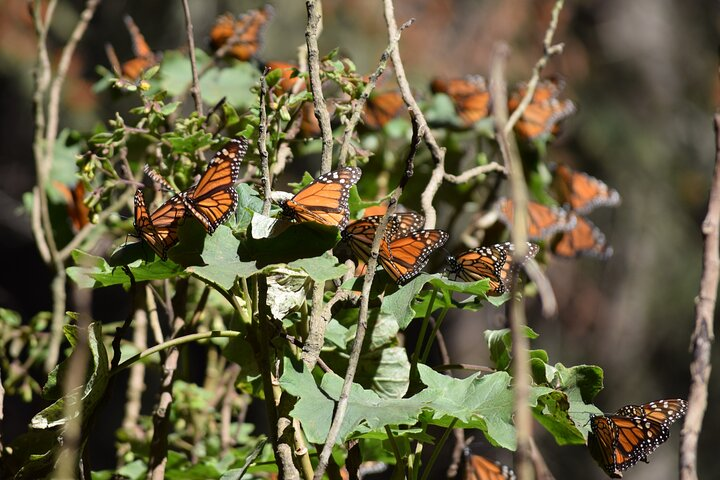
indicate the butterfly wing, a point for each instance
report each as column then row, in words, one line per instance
column 584, row 239
column 602, row 441
column 242, row 37
column 478, row 467
column 214, row 198
column 144, row 56
column 493, row 262
column 325, row 200
column 583, row 192
column 159, row 230
column 545, row 110
column 380, row 108
column 469, row 95
column 405, row 257
column 360, row 233
column 663, row 412
column 543, row 221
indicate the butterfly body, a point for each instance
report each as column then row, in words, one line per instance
column 242, row 37
column 584, row 239
column 325, row 200
column 543, row 221
column 544, row 111
column 492, row 262
column 382, row 107
column 469, row 95
column 582, row 192
column 620, row 440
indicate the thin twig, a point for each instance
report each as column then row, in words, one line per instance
column 703, row 335
column 437, row 153
column 474, row 172
column 262, row 146
column 369, row 87
column 342, row 404
column 548, row 51
column 312, row 32
column 195, row 89
column 520, row 343
column 542, row 472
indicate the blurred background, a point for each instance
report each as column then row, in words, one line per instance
column 644, row 77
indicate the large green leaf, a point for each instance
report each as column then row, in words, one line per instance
column 500, row 345
column 95, row 272
column 580, row 383
column 552, row 413
column 322, row 268
column 366, row 410
column 222, row 263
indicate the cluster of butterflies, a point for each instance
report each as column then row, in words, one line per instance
column 570, row 233
column 404, row 251
column 616, row 441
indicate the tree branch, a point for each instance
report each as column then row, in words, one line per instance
column 195, row 89
column 703, row 336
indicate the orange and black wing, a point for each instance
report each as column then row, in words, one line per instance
column 214, row 198
column 478, row 467
column 663, row 412
column 404, row 258
column 494, row 263
column 241, row 38
column 469, row 95
column 545, row 111
column 144, row 56
column 543, row 221
column 325, row 200
column 360, row 233
column 602, row 444
column 584, row 239
column 582, row 192
column 380, row 108
column 159, row 229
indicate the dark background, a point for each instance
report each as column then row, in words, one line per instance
column 643, row 74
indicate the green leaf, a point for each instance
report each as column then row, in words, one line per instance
column 321, row 269
column 580, row 383
column 288, row 242
column 385, row 371
column 234, row 83
column 94, row 272
column 483, row 402
column 286, row 290
column 552, row 413
column 249, row 203
column 500, row 345
column 222, row 264
column 366, row 410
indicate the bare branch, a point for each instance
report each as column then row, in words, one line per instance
column 474, row 172
column 548, row 51
column 703, row 336
column 195, row 89
column 262, row 146
column 341, row 408
column 312, row 32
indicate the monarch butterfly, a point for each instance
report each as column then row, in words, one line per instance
column 469, row 95
column 288, row 79
column 478, row 467
column 360, row 233
column 159, row 230
column 380, row 108
column 582, row 192
column 543, row 221
column 493, row 262
column 78, row 212
column 214, row 198
column 584, row 239
column 404, row 257
column 618, row 441
column 325, row 200
column 242, row 37
column 545, row 110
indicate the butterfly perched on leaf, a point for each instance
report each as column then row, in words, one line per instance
column 620, row 440
column 582, row 192
column 545, row 110
column 477, row 467
column 382, row 107
column 405, row 257
column 242, row 37
column 213, row 198
column 543, row 221
column 360, row 233
column 584, row 239
column 325, row 200
column 493, row 262
column 159, row 229
column 469, row 95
